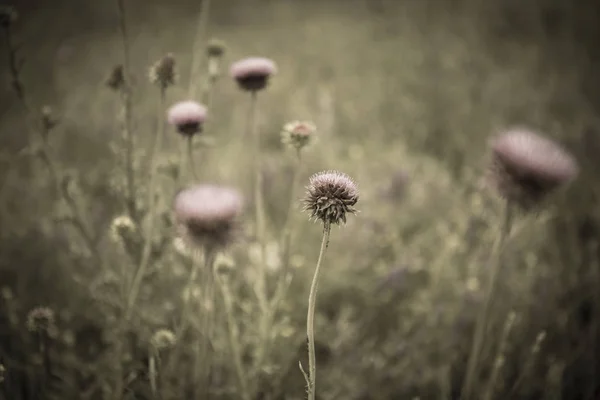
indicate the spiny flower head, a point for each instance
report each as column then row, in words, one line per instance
column 215, row 48
column 253, row 73
column 526, row 167
column 163, row 339
column 298, row 134
column 188, row 117
column 208, row 215
column 330, row 196
column 116, row 79
column 40, row 319
column 162, row 73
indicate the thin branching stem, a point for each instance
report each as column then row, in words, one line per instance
column 495, row 263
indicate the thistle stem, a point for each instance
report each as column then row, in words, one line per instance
column 495, row 266
column 190, row 148
column 310, row 320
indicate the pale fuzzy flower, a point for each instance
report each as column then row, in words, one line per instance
column 330, row 196
column 120, row 227
column 188, row 117
column 208, row 215
column 253, row 73
column 526, row 167
column 163, row 339
column 298, row 134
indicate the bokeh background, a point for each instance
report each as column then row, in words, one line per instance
column 405, row 95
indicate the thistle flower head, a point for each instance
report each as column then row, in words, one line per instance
column 330, row 196
column 163, row 339
column 41, row 320
column 8, row 16
column 116, row 78
column 188, row 117
column 527, row 167
column 298, row 134
column 207, row 215
column 162, row 73
column 215, row 48
column 253, row 73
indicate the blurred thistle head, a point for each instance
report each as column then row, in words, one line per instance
column 208, row 215
column 116, row 78
column 215, row 48
column 121, row 228
column 49, row 120
column 8, row 16
column 40, row 320
column 188, row 117
column 330, row 196
column 163, row 339
column 526, row 167
column 253, row 73
column 162, row 73
column 298, row 134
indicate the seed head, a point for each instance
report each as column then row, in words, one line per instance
column 215, row 48
column 116, row 79
column 41, row 320
column 162, row 73
column 298, row 134
column 527, row 167
column 163, row 339
column 330, row 196
column 188, row 117
column 207, row 215
column 8, row 16
column 252, row 74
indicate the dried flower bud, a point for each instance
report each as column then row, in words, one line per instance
column 41, row 320
column 527, row 167
column 8, row 16
column 162, row 73
column 215, row 48
column 298, row 134
column 252, row 74
column 208, row 215
column 116, row 79
column 330, row 196
column 188, row 117
column 163, row 339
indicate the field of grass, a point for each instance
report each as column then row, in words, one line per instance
column 99, row 299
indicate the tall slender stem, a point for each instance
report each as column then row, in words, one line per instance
column 190, row 148
column 310, row 319
column 495, row 266
column 202, row 352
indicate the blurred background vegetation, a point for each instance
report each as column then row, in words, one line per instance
column 405, row 95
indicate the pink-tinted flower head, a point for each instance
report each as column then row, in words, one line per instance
column 187, row 116
column 298, row 134
column 208, row 215
column 526, row 167
column 330, row 196
column 253, row 73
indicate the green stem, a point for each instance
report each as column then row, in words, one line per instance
column 310, row 320
column 190, row 148
column 495, row 263
column 202, row 353
column 234, row 339
column 147, row 249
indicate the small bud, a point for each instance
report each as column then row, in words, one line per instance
column 162, row 73
column 163, row 339
column 298, row 134
column 215, row 48
column 121, row 228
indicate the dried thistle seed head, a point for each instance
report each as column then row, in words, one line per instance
column 526, row 167
column 116, row 79
column 163, row 339
column 208, row 215
column 41, row 320
column 215, row 48
column 188, row 117
column 8, row 16
column 298, row 134
column 162, row 73
column 253, row 73
column 330, row 196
